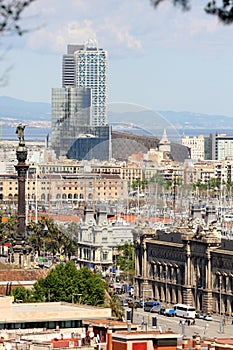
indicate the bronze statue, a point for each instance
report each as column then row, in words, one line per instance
column 20, row 131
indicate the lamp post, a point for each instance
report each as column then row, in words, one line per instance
column 143, row 304
column 76, row 294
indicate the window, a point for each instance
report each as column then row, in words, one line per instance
column 105, row 256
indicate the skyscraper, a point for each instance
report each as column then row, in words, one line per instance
column 70, row 111
column 86, row 66
column 79, row 107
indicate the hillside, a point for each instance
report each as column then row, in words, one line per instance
column 122, row 116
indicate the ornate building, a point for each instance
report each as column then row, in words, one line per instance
column 191, row 264
column 98, row 239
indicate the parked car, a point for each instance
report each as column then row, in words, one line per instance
column 137, row 304
column 169, row 312
column 162, row 310
column 155, row 309
column 124, row 303
column 208, row 317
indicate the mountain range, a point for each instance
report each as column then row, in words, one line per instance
column 122, row 116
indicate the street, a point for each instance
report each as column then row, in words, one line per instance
column 202, row 327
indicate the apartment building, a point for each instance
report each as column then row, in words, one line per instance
column 221, row 146
column 128, row 171
column 196, row 146
column 57, row 189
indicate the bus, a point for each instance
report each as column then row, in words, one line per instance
column 183, row 310
column 149, row 304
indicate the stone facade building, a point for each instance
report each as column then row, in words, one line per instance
column 191, row 264
column 99, row 238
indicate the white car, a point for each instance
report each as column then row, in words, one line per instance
column 208, row 318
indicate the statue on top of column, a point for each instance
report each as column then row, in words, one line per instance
column 20, row 131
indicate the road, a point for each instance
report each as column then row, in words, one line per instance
column 203, row 328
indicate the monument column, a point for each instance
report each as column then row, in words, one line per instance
column 21, row 249
column 21, row 169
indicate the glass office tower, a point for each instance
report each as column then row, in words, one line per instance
column 71, row 109
column 86, row 66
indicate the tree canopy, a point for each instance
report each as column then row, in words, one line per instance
column 125, row 260
column 223, row 9
column 47, row 236
column 66, row 283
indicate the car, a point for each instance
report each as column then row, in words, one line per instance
column 137, row 304
column 124, row 303
column 169, row 312
column 155, row 309
column 162, row 310
column 208, row 317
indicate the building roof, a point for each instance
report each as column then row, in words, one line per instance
column 56, row 311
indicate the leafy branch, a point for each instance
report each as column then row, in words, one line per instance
column 222, row 9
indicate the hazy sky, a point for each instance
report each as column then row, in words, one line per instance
column 162, row 59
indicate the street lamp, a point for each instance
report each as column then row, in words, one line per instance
column 76, row 294
column 143, row 304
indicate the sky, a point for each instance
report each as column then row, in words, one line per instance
column 163, row 59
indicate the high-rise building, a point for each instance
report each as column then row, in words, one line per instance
column 79, row 108
column 70, row 111
column 86, row 66
column 221, row 146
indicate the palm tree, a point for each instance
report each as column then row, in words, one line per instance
column 113, row 301
column 49, row 236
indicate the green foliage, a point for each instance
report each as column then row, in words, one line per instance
column 22, row 294
column 117, row 309
column 141, row 184
column 8, row 229
column 48, row 236
column 125, row 259
column 213, row 183
column 66, row 283
column 158, row 179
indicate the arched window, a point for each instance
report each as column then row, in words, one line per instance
column 63, row 196
column 58, row 196
column 70, row 196
column 90, row 196
column 81, row 196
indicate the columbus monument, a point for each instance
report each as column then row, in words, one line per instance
column 21, row 252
